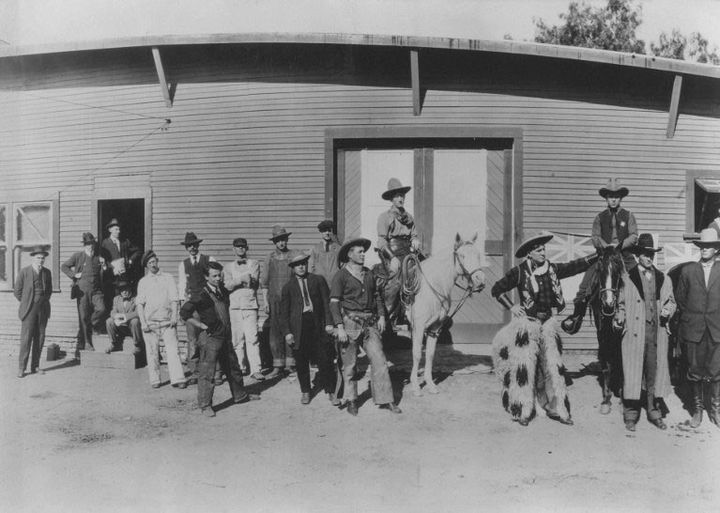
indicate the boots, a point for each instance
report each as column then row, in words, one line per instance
column 714, row 412
column 572, row 324
column 698, row 406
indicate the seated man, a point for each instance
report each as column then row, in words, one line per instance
column 123, row 320
column 614, row 226
column 397, row 237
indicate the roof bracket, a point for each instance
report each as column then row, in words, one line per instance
column 418, row 93
column 168, row 90
column 674, row 106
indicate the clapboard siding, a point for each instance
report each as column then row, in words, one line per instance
column 245, row 148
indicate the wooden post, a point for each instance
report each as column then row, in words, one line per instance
column 674, row 106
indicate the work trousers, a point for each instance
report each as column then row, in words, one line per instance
column 369, row 338
column 244, row 325
column 32, row 336
column 172, row 354
column 216, row 349
column 281, row 351
column 118, row 333
column 703, row 359
column 91, row 311
column 313, row 346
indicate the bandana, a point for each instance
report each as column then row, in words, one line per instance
column 530, row 288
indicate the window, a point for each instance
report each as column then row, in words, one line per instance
column 707, row 202
column 23, row 226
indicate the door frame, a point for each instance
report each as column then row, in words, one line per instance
column 343, row 138
column 144, row 193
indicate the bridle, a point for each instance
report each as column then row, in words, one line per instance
column 615, row 286
column 468, row 275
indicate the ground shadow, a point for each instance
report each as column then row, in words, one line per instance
column 62, row 365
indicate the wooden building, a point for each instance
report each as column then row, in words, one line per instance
column 227, row 135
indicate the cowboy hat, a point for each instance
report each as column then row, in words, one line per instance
column 394, row 187
column 190, row 239
column 39, row 250
column 613, row 188
column 531, row 243
column 278, row 232
column 645, row 244
column 113, row 222
column 708, row 239
column 299, row 259
column 88, row 239
column 343, row 253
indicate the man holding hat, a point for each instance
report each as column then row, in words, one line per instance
column 698, row 298
column 397, row 237
column 123, row 320
column 615, row 227
column 157, row 309
column 358, row 313
column 242, row 277
column 211, row 305
column 191, row 280
column 304, row 312
column 275, row 275
column 534, row 326
column 323, row 256
column 645, row 305
column 88, row 272
column 33, row 288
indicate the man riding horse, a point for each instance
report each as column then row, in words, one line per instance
column 397, row 238
column 614, row 226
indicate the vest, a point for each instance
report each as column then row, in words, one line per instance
column 38, row 286
column 195, row 275
column 621, row 227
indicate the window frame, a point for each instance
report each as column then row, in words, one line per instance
column 12, row 203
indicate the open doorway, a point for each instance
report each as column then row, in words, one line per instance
column 130, row 212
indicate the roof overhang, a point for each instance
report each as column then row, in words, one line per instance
column 413, row 42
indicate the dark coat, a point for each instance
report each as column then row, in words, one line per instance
column 291, row 306
column 699, row 305
column 128, row 252
column 25, row 291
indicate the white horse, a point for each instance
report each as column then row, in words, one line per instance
column 438, row 275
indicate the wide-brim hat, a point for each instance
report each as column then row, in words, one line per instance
column 39, row 250
column 613, row 187
column 708, row 239
column 531, row 242
column 123, row 284
column 645, row 244
column 394, row 187
column 113, row 222
column 298, row 259
column 190, row 239
column 88, row 239
column 147, row 256
column 278, row 232
column 327, row 224
column 343, row 253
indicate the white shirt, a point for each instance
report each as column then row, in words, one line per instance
column 156, row 292
column 707, row 267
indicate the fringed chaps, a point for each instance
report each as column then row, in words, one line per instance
column 527, row 356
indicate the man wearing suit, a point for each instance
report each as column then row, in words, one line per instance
column 304, row 311
column 124, row 320
column 33, row 288
column 87, row 271
column 122, row 256
column 698, row 298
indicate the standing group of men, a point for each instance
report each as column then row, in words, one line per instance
column 646, row 303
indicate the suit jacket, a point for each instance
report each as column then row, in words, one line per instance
column 128, row 251
column 92, row 273
column 291, row 306
column 25, row 291
column 699, row 305
column 119, row 307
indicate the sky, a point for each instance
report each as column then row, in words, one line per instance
column 31, row 22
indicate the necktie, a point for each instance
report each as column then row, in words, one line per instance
column 648, row 275
column 306, row 296
column 194, row 262
column 327, row 246
column 117, row 243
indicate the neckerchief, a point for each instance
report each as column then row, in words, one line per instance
column 531, row 286
column 403, row 217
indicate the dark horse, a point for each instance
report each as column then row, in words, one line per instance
column 604, row 305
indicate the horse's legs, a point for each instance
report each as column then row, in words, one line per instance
column 417, row 340
column 430, row 344
column 606, row 404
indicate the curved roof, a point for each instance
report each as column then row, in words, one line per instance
column 414, row 42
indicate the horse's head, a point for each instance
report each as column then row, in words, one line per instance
column 469, row 263
column 610, row 268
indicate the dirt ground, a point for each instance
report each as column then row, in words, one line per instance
column 82, row 439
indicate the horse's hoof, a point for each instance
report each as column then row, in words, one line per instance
column 605, row 408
